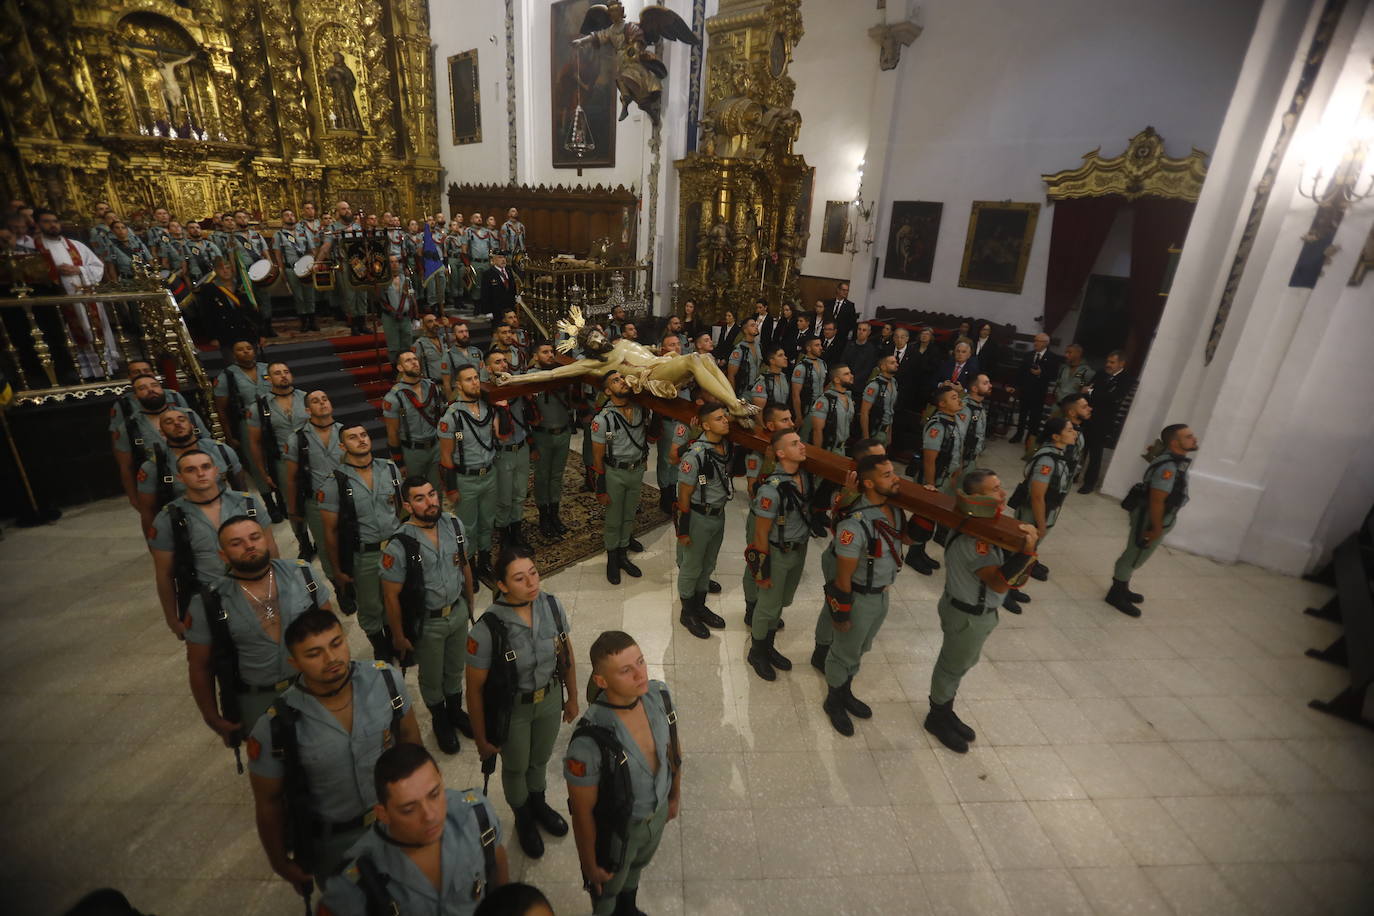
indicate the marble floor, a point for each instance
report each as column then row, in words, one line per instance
column 1154, row 766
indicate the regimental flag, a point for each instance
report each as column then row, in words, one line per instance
column 431, row 261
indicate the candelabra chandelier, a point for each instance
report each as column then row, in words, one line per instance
column 580, row 141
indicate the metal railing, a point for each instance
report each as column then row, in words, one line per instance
column 550, row 290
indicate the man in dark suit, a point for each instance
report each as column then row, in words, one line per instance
column 767, row 324
column 1107, row 395
column 1038, row 371
column 841, row 311
column 961, row 368
column 861, row 355
column 832, row 344
column 498, row 283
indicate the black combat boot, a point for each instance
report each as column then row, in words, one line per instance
column 940, row 723
column 1137, row 597
column 834, row 709
column 852, row 704
column 666, row 499
column 613, row 566
column 456, row 714
column 444, row 734
column 556, row 521
column 749, row 613
column 305, row 323
column 382, row 649
column 625, row 564
column 1120, row 598
column 688, row 618
column 758, row 659
column 625, row 904
column 1009, row 603
column 1040, row 572
column 545, row 526
column 482, row 566
column 776, row 658
column 713, row 587
column 527, row 830
column 634, row 545
column 919, row 560
column 708, row 616
column 1018, row 595
column 545, row 816
column 818, row 656
column 960, row 726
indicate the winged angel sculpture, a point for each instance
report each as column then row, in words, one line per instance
column 639, row 72
column 661, row 376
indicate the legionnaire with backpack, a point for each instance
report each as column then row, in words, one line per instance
column 233, row 634
column 936, row 467
column 133, row 422
column 672, row 435
column 808, row 378
column 879, row 402
column 411, row 412
column 976, row 426
column 1154, row 504
column 552, row 434
column 512, row 428
column 467, row 461
column 867, row 559
column 624, row 773
column 461, row 353
column 184, row 537
column 775, row 557
column 311, row 755
column 237, row 389
column 772, row 385
column 1049, row 475
column 427, row 592
column 1077, row 409
column 977, row 576
column 313, row 453
column 745, row 360
column 277, row 415
column 157, row 481
column 832, row 414
column 620, row 450
column 704, row 489
column 359, row 508
column 520, row 666
column 430, row 850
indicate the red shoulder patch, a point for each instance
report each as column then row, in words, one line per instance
column 982, row 547
column 935, row 433
column 142, row 475
column 443, row 427
column 319, row 496
column 254, row 748
column 765, row 503
column 596, row 426
column 846, row 537
column 680, row 431
column 577, row 768
column 685, row 467
column 1044, row 469
column 1167, row 474
column 472, row 646
column 388, row 561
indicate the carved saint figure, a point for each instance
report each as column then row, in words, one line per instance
column 342, row 92
column 166, row 68
column 639, row 72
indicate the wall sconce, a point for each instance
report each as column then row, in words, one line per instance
column 1344, row 154
column 865, row 212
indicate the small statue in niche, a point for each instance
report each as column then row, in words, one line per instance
column 639, row 72
column 343, row 86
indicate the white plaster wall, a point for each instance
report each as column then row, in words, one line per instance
column 456, row 26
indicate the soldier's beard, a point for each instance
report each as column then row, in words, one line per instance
column 255, row 565
column 182, row 441
column 153, row 402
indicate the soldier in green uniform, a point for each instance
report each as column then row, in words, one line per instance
column 1154, row 505
column 1077, row 410
column 504, row 342
column 552, row 435
column 744, row 362
column 170, row 250
column 976, row 428
column 313, row 453
column 427, row 592
column 977, row 576
column 776, row 555
column 431, row 850
column 359, row 508
column 879, row 404
column 159, row 230
column 772, row 386
column 808, row 378
column 512, row 456
column 461, row 353
column 467, row 460
column 478, row 243
column 348, row 299
column 630, row 723
column 201, row 254
column 411, row 411
column 158, row 483
column 1049, row 474
column 399, row 311
column 291, row 243
column 324, row 733
column 757, row 466
column 704, row 488
column 936, row 467
column 867, row 559
column 526, row 633
column 667, row 444
column 237, row 389
column 620, row 449
column 276, row 415
column 431, row 349
column 134, row 426
column 240, row 621
column 832, row 414
column 184, row 537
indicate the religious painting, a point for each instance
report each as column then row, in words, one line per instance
column 339, row 66
column 911, row 240
column 464, row 98
column 998, row 245
column 801, row 221
column 836, row 226
column 583, row 93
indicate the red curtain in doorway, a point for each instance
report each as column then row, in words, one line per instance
column 1159, row 225
column 1076, row 236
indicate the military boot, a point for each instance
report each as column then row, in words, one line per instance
column 960, row 725
column 852, row 704
column 940, row 723
column 818, row 656
column 919, row 560
column 555, row 521
column 776, row 658
column 527, row 831
column 456, row 714
column 1120, row 598
column 444, row 734
column 688, row 618
column 382, row 649
column 708, row 616
column 613, row 566
column 625, row 564
column 749, row 613
column 758, row 659
column 834, row 709
column 545, row 816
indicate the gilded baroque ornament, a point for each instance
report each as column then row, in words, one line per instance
column 1141, row 171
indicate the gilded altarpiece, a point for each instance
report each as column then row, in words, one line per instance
column 740, row 232
column 206, row 105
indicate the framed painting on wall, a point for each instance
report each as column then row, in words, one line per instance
column 998, row 245
column 583, row 93
column 836, row 226
column 464, row 98
column 911, row 240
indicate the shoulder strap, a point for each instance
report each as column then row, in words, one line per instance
column 487, row 837
column 373, row 885
column 462, row 541
column 397, row 705
column 674, row 748
column 311, row 586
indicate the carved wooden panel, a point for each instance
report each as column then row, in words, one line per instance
column 557, row 220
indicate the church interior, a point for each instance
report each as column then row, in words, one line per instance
column 1125, row 234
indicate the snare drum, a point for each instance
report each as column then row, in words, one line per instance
column 164, row 274
column 263, row 272
column 304, row 266
column 324, row 276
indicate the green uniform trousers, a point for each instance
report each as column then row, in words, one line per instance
column 640, row 845
column 441, row 652
column 367, row 590
column 512, row 484
column 302, row 292
column 553, row 451
column 476, row 507
column 825, row 630
column 842, row 662
column 786, row 572
column 475, row 294
column 436, row 290
column 400, row 334
column 622, row 485
column 348, row 298
column 424, row 462
column 697, row 560
column 316, row 526
column 1027, row 514
column 525, row 755
column 455, row 281
column 959, row 651
column 1134, row 556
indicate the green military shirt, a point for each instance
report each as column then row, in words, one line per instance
column 1072, row 379
column 201, row 255
column 284, row 422
column 781, row 496
column 442, row 567
column 324, row 457
column 246, row 387
column 941, row 435
column 293, row 244
column 204, row 535
column 964, row 556
column 708, row 469
column 146, row 433
column 650, row 788
column 457, row 357
column 462, row 866
column 430, row 352
column 415, row 408
column 148, row 478
column 262, row 660
column 975, row 431
column 474, row 438
column 338, row 764
column 174, row 250
column 836, row 410
column 1049, row 465
column 867, row 534
column 376, row 508
column 746, row 356
column 480, row 242
column 810, row 374
column 773, row 388
column 510, row 426
column 535, row 647
column 1073, row 454
column 554, row 410
column 886, row 402
column 626, row 440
